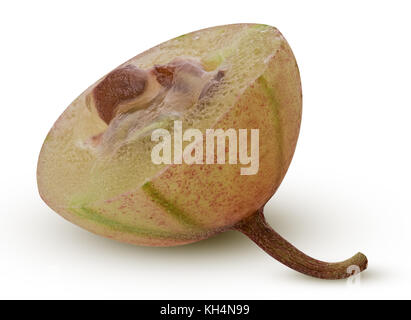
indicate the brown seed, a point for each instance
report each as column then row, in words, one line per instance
column 164, row 74
column 118, row 86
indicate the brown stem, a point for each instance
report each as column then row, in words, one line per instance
column 256, row 228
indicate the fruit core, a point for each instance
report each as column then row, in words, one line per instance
column 171, row 87
column 130, row 98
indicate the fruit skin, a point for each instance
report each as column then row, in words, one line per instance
column 181, row 203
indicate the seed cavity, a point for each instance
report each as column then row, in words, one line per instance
column 212, row 84
column 131, row 100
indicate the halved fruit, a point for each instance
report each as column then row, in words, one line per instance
column 96, row 169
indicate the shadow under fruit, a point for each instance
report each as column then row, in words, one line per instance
column 95, row 167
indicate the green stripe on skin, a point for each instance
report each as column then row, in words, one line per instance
column 269, row 92
column 95, row 216
column 261, row 26
column 177, row 213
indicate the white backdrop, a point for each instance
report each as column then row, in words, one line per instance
column 348, row 187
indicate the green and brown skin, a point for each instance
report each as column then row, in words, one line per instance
column 182, row 203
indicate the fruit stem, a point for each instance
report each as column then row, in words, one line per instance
column 256, row 228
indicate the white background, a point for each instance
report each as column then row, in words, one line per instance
column 348, row 187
